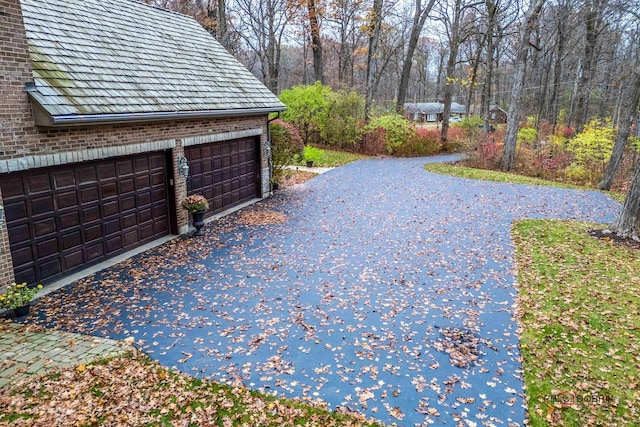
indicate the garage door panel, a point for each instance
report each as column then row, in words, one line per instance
column 12, row 187
column 27, row 274
column 67, row 199
column 64, row 179
column 124, row 168
column 127, row 203
column 107, row 171
column 89, row 194
column 95, row 251
column 73, row 259
column 49, row 267
column 124, row 186
column 69, row 220
column 46, row 227
column 110, row 208
column 42, row 205
column 90, row 213
column 71, row 240
column 87, row 175
column 23, row 255
column 62, row 218
column 46, row 248
column 38, row 183
column 17, row 209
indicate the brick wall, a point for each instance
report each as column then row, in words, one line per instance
column 24, row 146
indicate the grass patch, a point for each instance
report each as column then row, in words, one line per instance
column 579, row 308
column 488, row 175
column 134, row 390
column 334, row 158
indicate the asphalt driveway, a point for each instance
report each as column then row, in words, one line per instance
column 389, row 290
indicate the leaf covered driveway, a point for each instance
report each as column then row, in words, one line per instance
column 388, row 290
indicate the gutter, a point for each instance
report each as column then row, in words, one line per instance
column 107, row 119
column 44, row 118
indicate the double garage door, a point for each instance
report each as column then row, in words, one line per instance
column 64, row 218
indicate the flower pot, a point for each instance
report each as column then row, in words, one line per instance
column 309, row 163
column 22, row 311
column 198, row 222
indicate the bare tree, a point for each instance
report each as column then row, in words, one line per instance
column 594, row 23
column 419, row 18
column 374, row 27
column 513, row 115
column 262, row 26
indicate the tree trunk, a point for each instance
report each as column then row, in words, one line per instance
column 419, row 19
column 221, row 35
column 454, row 45
column 629, row 112
column 593, row 21
column 374, row 37
column 626, row 224
column 492, row 12
column 513, row 116
column 316, row 41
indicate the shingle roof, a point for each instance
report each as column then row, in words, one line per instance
column 112, row 57
column 433, row 108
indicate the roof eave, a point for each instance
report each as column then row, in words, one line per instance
column 44, row 119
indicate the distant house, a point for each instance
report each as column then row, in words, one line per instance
column 104, row 106
column 497, row 115
column 431, row 111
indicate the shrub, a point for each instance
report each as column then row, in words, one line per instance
column 342, row 126
column 286, row 143
column 307, row 107
column 457, row 140
column 527, row 135
column 397, row 130
column 312, row 154
column 424, row 142
column 592, row 147
column 577, row 173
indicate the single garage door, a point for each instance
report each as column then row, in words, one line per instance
column 63, row 218
column 224, row 172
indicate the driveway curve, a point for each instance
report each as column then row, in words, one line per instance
column 388, row 291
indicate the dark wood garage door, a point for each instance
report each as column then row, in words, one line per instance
column 225, row 172
column 63, row 218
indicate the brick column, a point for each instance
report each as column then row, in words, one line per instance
column 16, row 120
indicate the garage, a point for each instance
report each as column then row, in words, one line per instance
column 64, row 218
column 225, row 172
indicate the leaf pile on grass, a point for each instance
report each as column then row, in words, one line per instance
column 135, row 391
column 294, row 177
column 580, row 316
column 261, row 217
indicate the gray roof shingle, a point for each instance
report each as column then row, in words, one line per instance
column 114, row 57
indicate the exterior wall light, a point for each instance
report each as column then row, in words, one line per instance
column 183, row 166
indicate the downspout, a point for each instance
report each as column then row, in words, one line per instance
column 269, row 157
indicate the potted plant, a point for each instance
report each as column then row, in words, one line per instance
column 196, row 205
column 18, row 298
column 312, row 154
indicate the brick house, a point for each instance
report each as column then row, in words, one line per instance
column 99, row 102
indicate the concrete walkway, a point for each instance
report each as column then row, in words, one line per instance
column 29, row 351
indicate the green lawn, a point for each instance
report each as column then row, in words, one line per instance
column 334, row 158
column 488, row 175
column 579, row 308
